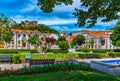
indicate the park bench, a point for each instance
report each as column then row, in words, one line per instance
column 6, row 58
column 41, row 61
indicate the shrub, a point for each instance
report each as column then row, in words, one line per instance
column 16, row 58
column 83, row 56
column 91, row 55
column 99, row 51
column 101, row 55
column 113, row 54
column 16, row 50
column 63, row 51
column 55, row 50
column 86, row 49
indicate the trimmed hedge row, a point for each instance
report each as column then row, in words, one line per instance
column 46, row 68
column 91, row 55
column 99, row 51
column 17, row 50
column 59, row 51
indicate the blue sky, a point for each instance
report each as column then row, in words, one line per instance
column 61, row 17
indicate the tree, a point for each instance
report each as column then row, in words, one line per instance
column 115, row 36
column 50, row 40
column 74, row 42
column 33, row 40
column 106, row 9
column 8, row 36
column 80, row 39
column 5, row 31
column 64, row 45
column 92, row 42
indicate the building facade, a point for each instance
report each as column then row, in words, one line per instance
column 101, row 39
column 20, row 39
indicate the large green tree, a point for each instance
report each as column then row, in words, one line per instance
column 93, row 10
column 78, row 40
column 115, row 36
column 5, row 31
column 33, row 40
column 92, row 42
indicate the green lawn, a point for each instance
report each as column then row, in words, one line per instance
column 63, row 76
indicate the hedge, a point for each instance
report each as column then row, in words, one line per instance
column 113, row 54
column 99, row 51
column 16, row 50
column 59, row 51
column 66, row 66
column 92, row 55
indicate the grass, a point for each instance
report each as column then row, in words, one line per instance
column 63, row 76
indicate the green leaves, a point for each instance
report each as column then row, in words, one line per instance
column 93, row 10
column 115, row 36
column 33, row 40
column 48, row 5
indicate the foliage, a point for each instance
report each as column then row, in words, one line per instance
column 74, row 42
column 99, row 51
column 17, row 51
column 113, row 54
column 92, row 42
column 80, row 39
column 115, row 36
column 50, row 40
column 55, row 51
column 83, row 56
column 41, row 28
column 86, row 49
column 65, row 66
column 106, row 9
column 33, row 40
column 5, row 32
column 8, row 36
column 64, row 45
column 16, row 58
column 93, row 55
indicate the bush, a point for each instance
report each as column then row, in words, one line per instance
column 91, row 55
column 60, row 51
column 55, row 51
column 83, row 56
column 113, row 54
column 101, row 55
column 16, row 58
column 99, row 51
column 16, row 50
column 86, row 49
column 116, row 50
column 63, row 51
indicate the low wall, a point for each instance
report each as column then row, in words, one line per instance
column 105, row 68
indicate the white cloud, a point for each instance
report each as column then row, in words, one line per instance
column 30, row 7
column 106, row 23
column 50, row 21
column 57, row 21
column 68, row 8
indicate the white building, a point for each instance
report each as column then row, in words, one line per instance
column 101, row 39
column 20, row 39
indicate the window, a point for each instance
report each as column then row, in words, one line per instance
column 106, row 41
column 28, row 35
column 24, row 35
column 18, row 42
column 18, row 35
column 110, row 46
column 106, row 46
